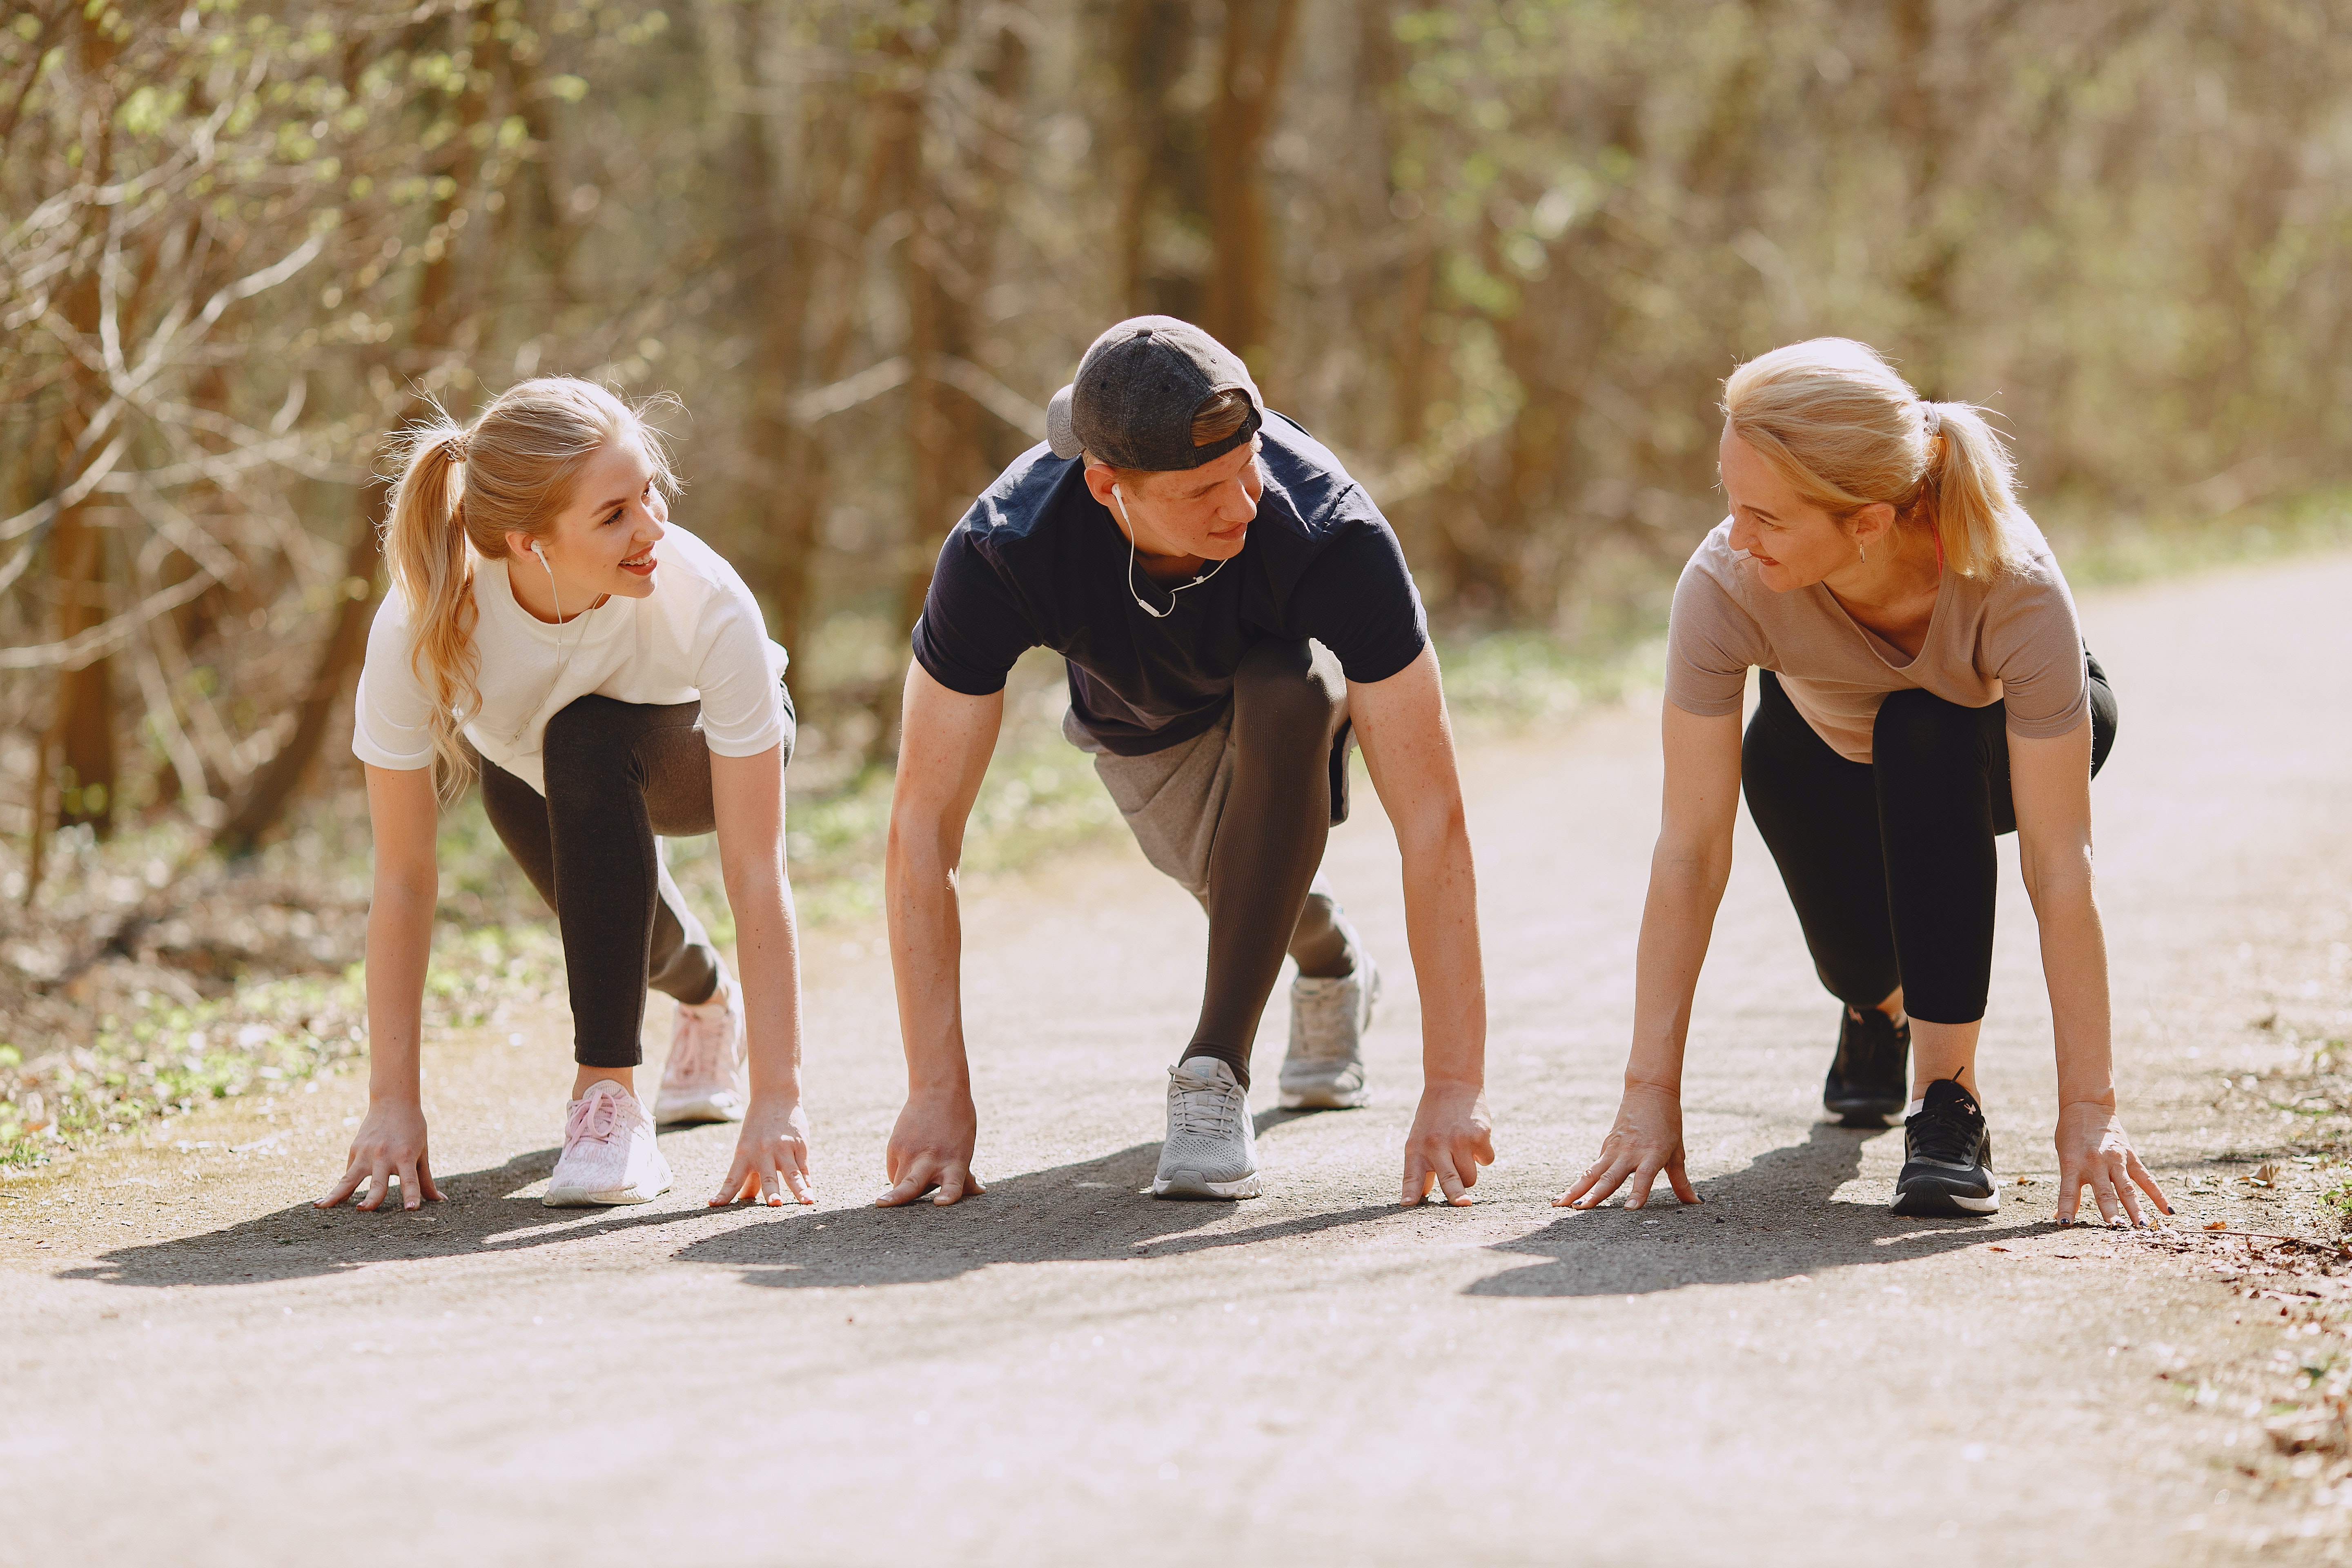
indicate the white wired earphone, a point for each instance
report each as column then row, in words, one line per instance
column 1129, row 523
column 564, row 652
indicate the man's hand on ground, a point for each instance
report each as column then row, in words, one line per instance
column 930, row 1148
column 1451, row 1136
column 1646, row 1140
column 390, row 1143
column 772, row 1155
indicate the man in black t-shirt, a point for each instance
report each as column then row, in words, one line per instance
column 1233, row 610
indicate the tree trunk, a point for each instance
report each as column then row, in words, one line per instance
column 435, row 322
column 1238, row 309
column 83, row 719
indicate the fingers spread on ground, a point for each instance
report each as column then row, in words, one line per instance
column 1601, row 1188
column 2146, row 1183
column 1684, row 1191
column 2102, row 1192
column 1417, row 1178
column 342, row 1189
column 905, row 1191
column 951, row 1189
column 2127, row 1200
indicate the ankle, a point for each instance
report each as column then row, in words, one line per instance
column 588, row 1077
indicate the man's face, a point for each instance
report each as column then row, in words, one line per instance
column 1201, row 514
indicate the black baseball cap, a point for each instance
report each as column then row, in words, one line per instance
column 1132, row 403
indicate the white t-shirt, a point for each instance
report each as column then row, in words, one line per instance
column 697, row 634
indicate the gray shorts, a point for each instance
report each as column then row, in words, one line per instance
column 1174, row 799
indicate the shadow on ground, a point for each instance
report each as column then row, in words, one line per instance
column 1057, row 1215
column 1772, row 1220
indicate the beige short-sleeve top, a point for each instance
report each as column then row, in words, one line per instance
column 2012, row 639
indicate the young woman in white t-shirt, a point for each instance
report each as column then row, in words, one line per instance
column 610, row 677
column 1925, row 688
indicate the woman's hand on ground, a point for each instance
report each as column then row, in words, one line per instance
column 1451, row 1136
column 930, row 1148
column 1647, row 1139
column 772, row 1155
column 390, row 1143
column 2094, row 1149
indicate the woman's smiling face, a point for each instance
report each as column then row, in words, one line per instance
column 603, row 541
column 1793, row 542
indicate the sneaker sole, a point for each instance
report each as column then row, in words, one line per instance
column 574, row 1198
column 1924, row 1200
column 1193, row 1185
column 1325, row 1099
column 704, row 1109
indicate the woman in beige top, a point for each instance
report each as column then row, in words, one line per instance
column 1925, row 688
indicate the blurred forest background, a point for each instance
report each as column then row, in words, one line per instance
column 1497, row 253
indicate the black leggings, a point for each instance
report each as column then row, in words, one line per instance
column 1288, row 713
column 617, row 774
column 1890, row 863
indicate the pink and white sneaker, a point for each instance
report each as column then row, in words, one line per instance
column 609, row 1153
column 707, row 1077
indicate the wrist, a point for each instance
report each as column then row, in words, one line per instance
column 1643, row 1083
column 1453, row 1079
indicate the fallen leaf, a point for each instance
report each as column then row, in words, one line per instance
column 1996, row 1249
column 2217, row 1224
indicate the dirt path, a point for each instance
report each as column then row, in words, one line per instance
column 197, row 1369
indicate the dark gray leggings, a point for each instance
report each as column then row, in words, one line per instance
column 1287, row 714
column 618, row 774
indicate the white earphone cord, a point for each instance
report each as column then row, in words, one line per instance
column 1155, row 614
column 563, row 653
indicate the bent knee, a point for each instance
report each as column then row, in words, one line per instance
column 1919, row 725
column 1279, row 688
column 581, row 739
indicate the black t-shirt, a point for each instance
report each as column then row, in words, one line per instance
column 1038, row 561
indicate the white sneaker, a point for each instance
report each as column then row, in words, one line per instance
column 609, row 1153
column 1323, row 1068
column 706, row 1077
column 1212, row 1148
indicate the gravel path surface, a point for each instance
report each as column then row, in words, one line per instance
column 197, row 1368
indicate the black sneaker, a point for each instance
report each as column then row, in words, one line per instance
column 1867, row 1081
column 1947, row 1157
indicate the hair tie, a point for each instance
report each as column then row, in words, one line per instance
column 454, row 447
column 1931, row 417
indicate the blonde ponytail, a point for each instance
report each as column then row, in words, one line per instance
column 1971, row 490
column 516, row 464
column 1847, row 432
column 433, row 569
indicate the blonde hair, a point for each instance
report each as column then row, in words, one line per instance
column 519, row 457
column 1836, row 421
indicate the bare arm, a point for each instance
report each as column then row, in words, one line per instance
column 943, row 749
column 402, row 816
column 747, row 796
column 1409, row 750
column 2050, row 781
column 1688, row 872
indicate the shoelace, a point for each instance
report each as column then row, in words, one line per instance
column 1326, row 1010
column 1203, row 1105
column 694, row 1053
column 1870, row 1035
column 595, row 1119
column 1946, row 1132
